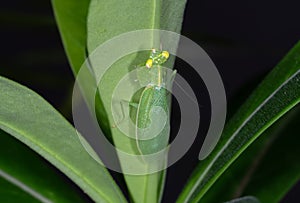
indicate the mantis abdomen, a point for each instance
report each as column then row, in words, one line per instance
column 153, row 126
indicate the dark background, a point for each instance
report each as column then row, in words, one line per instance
column 245, row 39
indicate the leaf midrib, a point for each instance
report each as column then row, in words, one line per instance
column 155, row 20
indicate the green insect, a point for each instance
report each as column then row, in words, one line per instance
column 153, row 113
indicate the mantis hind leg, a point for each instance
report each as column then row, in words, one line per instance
column 124, row 116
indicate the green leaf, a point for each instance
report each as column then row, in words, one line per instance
column 29, row 118
column 257, row 172
column 247, row 199
column 71, row 20
column 107, row 19
column 271, row 181
column 27, row 177
column 277, row 94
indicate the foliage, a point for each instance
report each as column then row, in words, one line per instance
column 250, row 146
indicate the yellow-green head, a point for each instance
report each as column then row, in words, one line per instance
column 157, row 58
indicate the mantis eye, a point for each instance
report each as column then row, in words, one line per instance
column 149, row 63
column 165, row 54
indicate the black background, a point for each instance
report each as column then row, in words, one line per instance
column 245, row 39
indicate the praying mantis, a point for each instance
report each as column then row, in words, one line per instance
column 153, row 109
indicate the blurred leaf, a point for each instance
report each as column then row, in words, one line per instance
column 27, row 177
column 277, row 94
column 29, row 118
column 247, row 199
